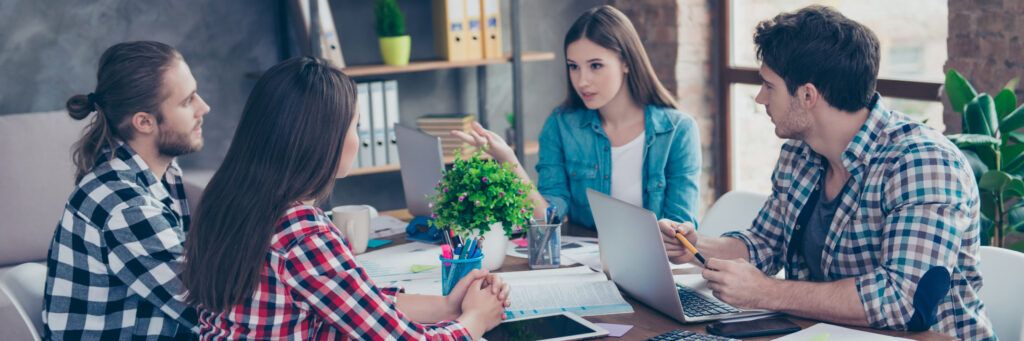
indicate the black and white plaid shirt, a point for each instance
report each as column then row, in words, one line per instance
column 115, row 257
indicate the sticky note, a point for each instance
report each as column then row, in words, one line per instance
column 421, row 268
column 615, row 330
column 821, row 337
column 377, row 243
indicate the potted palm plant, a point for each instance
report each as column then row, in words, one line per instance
column 481, row 197
column 394, row 42
column 994, row 145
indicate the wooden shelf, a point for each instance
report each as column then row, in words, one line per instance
column 532, row 147
column 427, row 65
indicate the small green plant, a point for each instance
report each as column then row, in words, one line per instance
column 476, row 193
column 994, row 146
column 390, row 20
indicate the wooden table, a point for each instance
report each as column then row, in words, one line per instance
column 648, row 322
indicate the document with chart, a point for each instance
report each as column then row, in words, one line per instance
column 579, row 290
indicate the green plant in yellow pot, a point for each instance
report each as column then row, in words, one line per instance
column 394, row 42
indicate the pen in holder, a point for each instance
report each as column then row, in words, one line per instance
column 452, row 270
column 544, row 245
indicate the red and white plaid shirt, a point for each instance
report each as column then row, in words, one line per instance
column 312, row 288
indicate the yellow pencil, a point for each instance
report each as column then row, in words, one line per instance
column 690, row 247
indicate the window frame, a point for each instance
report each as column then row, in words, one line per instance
column 729, row 75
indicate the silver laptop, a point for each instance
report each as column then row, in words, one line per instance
column 422, row 165
column 635, row 256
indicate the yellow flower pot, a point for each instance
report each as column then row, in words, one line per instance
column 395, row 50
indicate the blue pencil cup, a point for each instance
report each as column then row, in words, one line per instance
column 452, row 270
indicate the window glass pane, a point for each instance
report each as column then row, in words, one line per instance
column 755, row 148
column 912, row 34
column 929, row 112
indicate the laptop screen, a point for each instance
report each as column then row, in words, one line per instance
column 421, row 167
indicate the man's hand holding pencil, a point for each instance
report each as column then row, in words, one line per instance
column 675, row 236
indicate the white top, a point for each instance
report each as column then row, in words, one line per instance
column 627, row 168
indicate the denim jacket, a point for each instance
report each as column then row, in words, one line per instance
column 575, row 154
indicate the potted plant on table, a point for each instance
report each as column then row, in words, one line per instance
column 394, row 42
column 482, row 198
column 994, row 146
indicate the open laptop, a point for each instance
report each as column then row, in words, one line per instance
column 422, row 165
column 635, row 256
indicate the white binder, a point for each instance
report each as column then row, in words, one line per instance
column 365, row 158
column 378, row 124
column 391, row 116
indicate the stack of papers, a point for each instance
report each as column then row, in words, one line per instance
column 398, row 264
column 415, row 267
column 386, row 226
column 579, row 290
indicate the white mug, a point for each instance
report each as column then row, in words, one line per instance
column 354, row 223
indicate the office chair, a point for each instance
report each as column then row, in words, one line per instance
column 24, row 285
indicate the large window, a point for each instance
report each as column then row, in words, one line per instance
column 912, row 36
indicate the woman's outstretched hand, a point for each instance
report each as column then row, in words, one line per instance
column 493, row 145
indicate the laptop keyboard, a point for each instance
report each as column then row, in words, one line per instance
column 697, row 305
column 685, row 335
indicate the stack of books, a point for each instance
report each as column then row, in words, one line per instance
column 441, row 125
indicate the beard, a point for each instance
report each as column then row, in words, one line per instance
column 794, row 123
column 173, row 143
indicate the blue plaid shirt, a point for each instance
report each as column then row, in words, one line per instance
column 911, row 204
column 112, row 270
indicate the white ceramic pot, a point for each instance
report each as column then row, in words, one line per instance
column 493, row 245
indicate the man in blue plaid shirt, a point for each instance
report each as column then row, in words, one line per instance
column 115, row 256
column 874, row 217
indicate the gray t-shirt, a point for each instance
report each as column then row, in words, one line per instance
column 816, row 231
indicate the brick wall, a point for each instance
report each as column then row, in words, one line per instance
column 655, row 22
column 985, row 45
column 698, row 89
column 677, row 36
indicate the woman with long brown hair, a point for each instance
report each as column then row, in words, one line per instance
column 618, row 131
column 263, row 262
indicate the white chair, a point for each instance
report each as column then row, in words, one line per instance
column 1001, row 278
column 24, row 285
column 733, row 211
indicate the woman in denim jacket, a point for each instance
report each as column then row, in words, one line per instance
column 618, row 131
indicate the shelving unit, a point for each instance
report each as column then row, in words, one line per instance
column 531, row 149
column 430, row 65
column 358, row 71
column 516, row 58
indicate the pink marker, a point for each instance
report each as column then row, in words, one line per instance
column 446, row 251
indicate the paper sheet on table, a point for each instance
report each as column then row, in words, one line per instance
column 695, row 282
column 385, row 226
column 396, row 263
column 517, row 279
column 825, row 331
column 593, row 261
column 571, row 245
column 615, row 330
column 578, row 290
